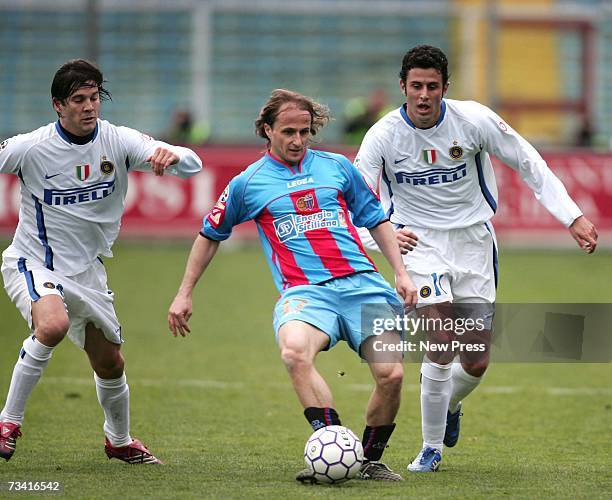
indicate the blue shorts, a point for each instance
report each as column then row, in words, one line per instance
column 342, row 308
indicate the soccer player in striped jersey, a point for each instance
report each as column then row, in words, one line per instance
column 301, row 200
column 430, row 160
column 74, row 175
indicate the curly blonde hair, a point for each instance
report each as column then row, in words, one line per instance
column 319, row 113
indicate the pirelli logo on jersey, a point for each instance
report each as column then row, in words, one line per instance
column 79, row 195
column 432, row 176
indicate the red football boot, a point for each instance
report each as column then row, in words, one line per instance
column 9, row 432
column 133, row 453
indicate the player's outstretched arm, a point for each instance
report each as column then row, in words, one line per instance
column 146, row 154
column 585, row 234
column 181, row 309
column 384, row 236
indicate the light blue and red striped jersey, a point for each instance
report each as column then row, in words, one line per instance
column 302, row 215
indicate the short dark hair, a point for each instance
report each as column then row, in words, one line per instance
column 425, row 57
column 319, row 113
column 75, row 74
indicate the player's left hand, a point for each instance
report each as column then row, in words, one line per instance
column 585, row 234
column 405, row 287
column 406, row 240
column 161, row 160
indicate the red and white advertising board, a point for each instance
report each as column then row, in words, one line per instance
column 168, row 207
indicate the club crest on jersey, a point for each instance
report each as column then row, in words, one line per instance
column 305, row 203
column 425, row 292
column 456, row 152
column 48, row 284
column 107, row 167
column 430, row 155
column 82, row 172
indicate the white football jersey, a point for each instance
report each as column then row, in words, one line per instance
column 442, row 177
column 73, row 196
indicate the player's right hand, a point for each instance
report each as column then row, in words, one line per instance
column 585, row 234
column 406, row 240
column 179, row 314
column 406, row 289
column 161, row 159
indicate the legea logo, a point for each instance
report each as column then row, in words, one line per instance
column 300, row 182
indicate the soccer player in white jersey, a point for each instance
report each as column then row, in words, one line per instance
column 74, row 175
column 430, row 160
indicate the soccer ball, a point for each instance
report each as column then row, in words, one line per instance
column 334, row 453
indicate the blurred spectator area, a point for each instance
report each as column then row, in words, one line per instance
column 220, row 59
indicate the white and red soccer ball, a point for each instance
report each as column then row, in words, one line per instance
column 334, row 454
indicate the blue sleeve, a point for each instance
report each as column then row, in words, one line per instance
column 363, row 203
column 229, row 211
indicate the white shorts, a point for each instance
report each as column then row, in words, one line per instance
column 86, row 296
column 457, row 265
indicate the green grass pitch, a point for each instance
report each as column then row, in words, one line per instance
column 219, row 409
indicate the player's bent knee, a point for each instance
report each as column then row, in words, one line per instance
column 391, row 378
column 295, row 358
column 477, row 368
column 109, row 366
column 51, row 330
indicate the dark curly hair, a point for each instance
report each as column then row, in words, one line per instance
column 425, row 57
column 319, row 113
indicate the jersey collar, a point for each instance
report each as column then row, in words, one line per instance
column 409, row 121
column 294, row 169
column 64, row 134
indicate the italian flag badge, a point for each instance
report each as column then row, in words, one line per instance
column 429, row 155
column 82, row 172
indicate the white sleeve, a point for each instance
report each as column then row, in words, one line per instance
column 508, row 146
column 367, row 240
column 12, row 153
column 370, row 159
column 140, row 147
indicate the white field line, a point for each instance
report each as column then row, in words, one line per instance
column 222, row 385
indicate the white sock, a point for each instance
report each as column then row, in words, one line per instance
column 33, row 358
column 435, row 394
column 114, row 398
column 463, row 384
